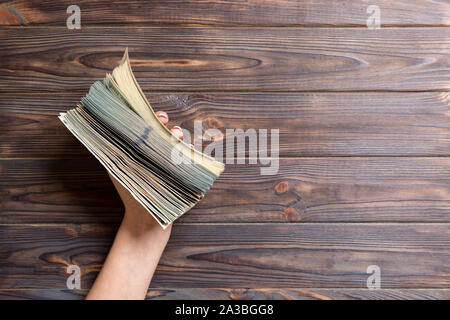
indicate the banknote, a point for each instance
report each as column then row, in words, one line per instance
column 117, row 124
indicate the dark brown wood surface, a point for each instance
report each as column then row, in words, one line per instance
column 364, row 173
column 344, row 189
column 236, row 12
column 231, row 59
column 240, row 255
column 311, row 124
column 245, row 294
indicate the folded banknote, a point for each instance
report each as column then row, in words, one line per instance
column 119, row 127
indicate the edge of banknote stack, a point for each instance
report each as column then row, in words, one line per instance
column 119, row 127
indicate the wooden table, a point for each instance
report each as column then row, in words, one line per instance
column 364, row 145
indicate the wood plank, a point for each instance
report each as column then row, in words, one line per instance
column 305, row 189
column 237, row 12
column 244, row 294
column 239, row 255
column 224, row 59
column 310, row 124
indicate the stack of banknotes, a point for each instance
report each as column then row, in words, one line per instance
column 119, row 127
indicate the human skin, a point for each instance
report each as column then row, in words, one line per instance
column 137, row 248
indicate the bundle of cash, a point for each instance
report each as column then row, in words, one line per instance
column 119, row 127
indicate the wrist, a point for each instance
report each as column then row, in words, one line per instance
column 143, row 228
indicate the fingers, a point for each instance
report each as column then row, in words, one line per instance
column 164, row 118
column 177, row 132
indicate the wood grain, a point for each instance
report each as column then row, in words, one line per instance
column 243, row 294
column 364, row 175
column 304, row 190
column 237, row 12
column 240, row 255
column 310, row 124
column 227, row 59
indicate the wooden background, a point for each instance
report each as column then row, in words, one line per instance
column 364, row 144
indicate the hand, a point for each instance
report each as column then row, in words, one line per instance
column 137, row 248
column 135, row 214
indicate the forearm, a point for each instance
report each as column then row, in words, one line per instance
column 132, row 260
column 135, row 253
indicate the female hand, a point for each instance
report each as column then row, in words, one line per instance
column 137, row 248
column 135, row 214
